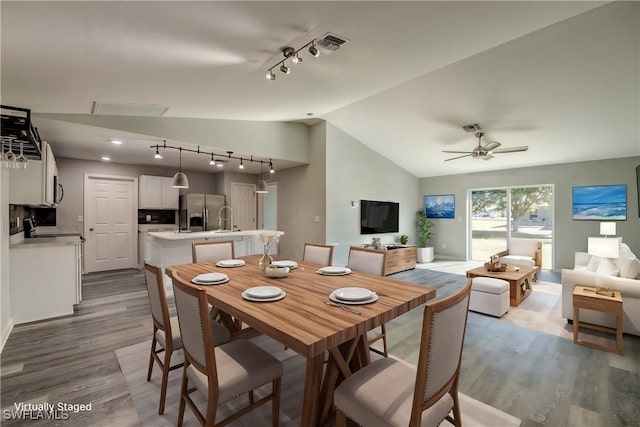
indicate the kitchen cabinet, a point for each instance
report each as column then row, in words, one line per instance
column 45, row 278
column 36, row 184
column 156, row 192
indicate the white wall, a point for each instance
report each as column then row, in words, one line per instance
column 569, row 235
column 356, row 172
column 6, row 322
column 301, row 197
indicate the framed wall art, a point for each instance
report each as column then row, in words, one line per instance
column 600, row 202
column 440, row 206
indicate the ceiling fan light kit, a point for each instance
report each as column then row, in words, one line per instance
column 486, row 151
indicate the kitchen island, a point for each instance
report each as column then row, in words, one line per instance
column 168, row 248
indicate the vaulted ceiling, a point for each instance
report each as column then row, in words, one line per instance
column 560, row 77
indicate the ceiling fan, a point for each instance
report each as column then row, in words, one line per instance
column 485, row 151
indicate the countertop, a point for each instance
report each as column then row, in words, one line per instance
column 173, row 235
column 45, row 241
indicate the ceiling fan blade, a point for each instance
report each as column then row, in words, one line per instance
column 511, row 149
column 467, row 152
column 459, row 157
column 486, row 157
column 492, row 145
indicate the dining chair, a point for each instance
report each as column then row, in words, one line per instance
column 212, row 250
column 165, row 326
column 371, row 261
column 224, row 372
column 317, row 254
column 390, row 391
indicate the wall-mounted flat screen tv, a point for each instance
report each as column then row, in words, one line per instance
column 378, row 217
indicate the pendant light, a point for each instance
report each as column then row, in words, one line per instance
column 179, row 179
column 262, row 184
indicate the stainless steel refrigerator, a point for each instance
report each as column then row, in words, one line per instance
column 199, row 212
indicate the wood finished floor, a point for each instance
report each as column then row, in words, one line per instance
column 543, row 379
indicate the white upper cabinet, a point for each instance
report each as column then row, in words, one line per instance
column 156, row 192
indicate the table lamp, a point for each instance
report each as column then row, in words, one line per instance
column 608, row 229
column 603, row 247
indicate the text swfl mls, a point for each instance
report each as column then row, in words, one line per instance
column 44, row 411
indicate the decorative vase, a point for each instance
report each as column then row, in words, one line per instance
column 265, row 260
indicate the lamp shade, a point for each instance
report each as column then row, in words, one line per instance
column 608, row 228
column 180, row 181
column 603, row 247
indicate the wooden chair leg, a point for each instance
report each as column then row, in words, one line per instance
column 384, row 341
column 341, row 419
column 251, row 397
column 183, row 394
column 165, row 380
column 151, row 353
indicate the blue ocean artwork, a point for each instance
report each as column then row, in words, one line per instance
column 443, row 206
column 600, row 202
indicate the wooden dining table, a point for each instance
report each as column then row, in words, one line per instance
column 305, row 323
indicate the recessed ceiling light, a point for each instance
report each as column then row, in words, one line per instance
column 105, row 158
column 116, row 142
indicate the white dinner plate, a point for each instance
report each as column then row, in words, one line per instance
column 373, row 298
column 352, row 294
column 197, row 282
column 262, row 292
column 290, row 264
column 276, row 298
column 211, row 277
column 334, row 271
column 230, row 263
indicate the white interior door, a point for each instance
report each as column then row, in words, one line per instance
column 110, row 222
column 243, row 203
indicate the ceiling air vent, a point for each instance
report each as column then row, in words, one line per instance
column 329, row 43
column 474, row 127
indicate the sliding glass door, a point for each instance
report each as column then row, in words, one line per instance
column 519, row 212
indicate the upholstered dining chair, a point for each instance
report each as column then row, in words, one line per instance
column 391, row 392
column 165, row 326
column 371, row 261
column 212, row 250
column 224, row 372
column 317, row 254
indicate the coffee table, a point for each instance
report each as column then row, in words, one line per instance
column 519, row 279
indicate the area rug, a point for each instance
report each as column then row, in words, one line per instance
column 133, row 363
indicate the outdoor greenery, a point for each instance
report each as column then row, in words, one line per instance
column 523, row 201
column 424, row 227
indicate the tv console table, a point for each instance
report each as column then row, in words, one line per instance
column 400, row 259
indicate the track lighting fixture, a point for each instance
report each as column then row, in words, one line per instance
column 293, row 54
column 313, row 50
column 216, row 159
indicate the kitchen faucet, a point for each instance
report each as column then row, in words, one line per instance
column 220, row 217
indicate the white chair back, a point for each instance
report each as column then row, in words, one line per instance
column 318, row 254
column 212, row 250
column 365, row 260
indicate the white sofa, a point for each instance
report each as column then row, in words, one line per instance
column 584, row 274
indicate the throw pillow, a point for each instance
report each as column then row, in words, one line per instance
column 593, row 263
column 629, row 267
column 607, row 268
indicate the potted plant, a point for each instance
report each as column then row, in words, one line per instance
column 425, row 229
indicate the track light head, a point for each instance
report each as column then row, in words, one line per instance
column 270, row 75
column 212, row 162
column 271, row 170
column 157, row 155
column 296, row 59
column 313, row 50
column 241, row 166
column 285, row 69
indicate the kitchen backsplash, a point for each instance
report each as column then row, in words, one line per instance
column 151, row 216
column 42, row 216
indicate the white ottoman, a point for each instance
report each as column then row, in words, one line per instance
column 489, row 296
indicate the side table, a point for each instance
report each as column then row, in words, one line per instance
column 586, row 297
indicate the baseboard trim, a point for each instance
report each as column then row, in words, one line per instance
column 5, row 334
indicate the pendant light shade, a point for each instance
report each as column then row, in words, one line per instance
column 179, row 179
column 262, row 187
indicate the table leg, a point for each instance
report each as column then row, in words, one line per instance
column 312, row 384
column 576, row 322
column 619, row 332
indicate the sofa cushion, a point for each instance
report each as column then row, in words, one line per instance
column 526, row 247
column 593, row 263
column 607, row 268
column 525, row 261
column 627, row 263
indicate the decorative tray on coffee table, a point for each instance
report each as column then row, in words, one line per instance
column 494, row 268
